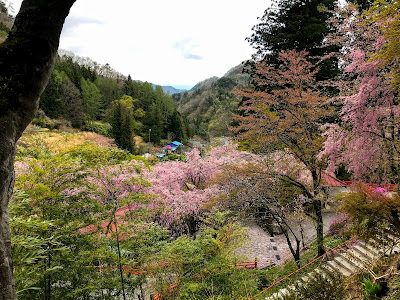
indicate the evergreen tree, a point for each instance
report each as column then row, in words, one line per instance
column 363, row 4
column 299, row 25
column 3, row 8
column 5, row 22
column 110, row 90
column 74, row 71
column 73, row 103
column 116, row 121
column 155, row 122
column 129, row 87
column 176, row 127
column 127, row 132
column 52, row 101
column 123, row 124
column 91, row 98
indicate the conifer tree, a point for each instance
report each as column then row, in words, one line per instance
column 299, row 25
column 52, row 101
column 91, row 99
column 74, row 108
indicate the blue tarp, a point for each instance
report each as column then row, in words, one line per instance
column 176, row 143
column 173, row 145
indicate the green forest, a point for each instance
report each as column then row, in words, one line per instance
column 110, row 104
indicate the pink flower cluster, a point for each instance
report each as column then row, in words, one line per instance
column 174, row 189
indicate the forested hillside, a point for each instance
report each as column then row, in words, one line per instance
column 89, row 96
column 209, row 104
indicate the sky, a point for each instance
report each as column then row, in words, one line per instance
column 174, row 42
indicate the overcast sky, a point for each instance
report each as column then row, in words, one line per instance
column 166, row 42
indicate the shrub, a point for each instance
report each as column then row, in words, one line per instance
column 339, row 225
column 45, row 122
column 99, row 127
column 370, row 288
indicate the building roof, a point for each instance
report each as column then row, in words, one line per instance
column 173, row 145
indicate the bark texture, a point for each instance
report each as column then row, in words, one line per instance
column 26, row 61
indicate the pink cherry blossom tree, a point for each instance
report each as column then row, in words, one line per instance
column 284, row 112
column 367, row 139
column 183, row 187
column 172, row 193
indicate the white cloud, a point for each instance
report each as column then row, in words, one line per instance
column 187, row 48
column 165, row 42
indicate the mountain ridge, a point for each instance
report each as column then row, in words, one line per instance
column 209, row 105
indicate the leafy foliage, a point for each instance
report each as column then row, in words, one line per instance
column 371, row 213
column 54, row 199
column 5, row 21
column 370, row 287
column 386, row 15
column 203, row 267
column 82, row 206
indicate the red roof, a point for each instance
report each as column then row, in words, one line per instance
column 388, row 187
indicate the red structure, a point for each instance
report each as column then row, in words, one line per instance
column 373, row 186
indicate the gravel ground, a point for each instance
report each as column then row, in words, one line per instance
column 269, row 249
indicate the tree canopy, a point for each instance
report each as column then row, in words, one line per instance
column 297, row 25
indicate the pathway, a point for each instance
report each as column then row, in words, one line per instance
column 269, row 249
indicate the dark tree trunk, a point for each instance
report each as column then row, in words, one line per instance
column 317, row 207
column 26, row 61
column 319, row 226
column 283, row 226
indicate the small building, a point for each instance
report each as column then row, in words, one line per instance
column 174, row 145
column 331, row 186
column 171, row 147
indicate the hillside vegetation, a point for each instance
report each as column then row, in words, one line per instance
column 209, row 105
column 88, row 96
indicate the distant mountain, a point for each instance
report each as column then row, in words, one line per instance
column 169, row 89
column 208, row 106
